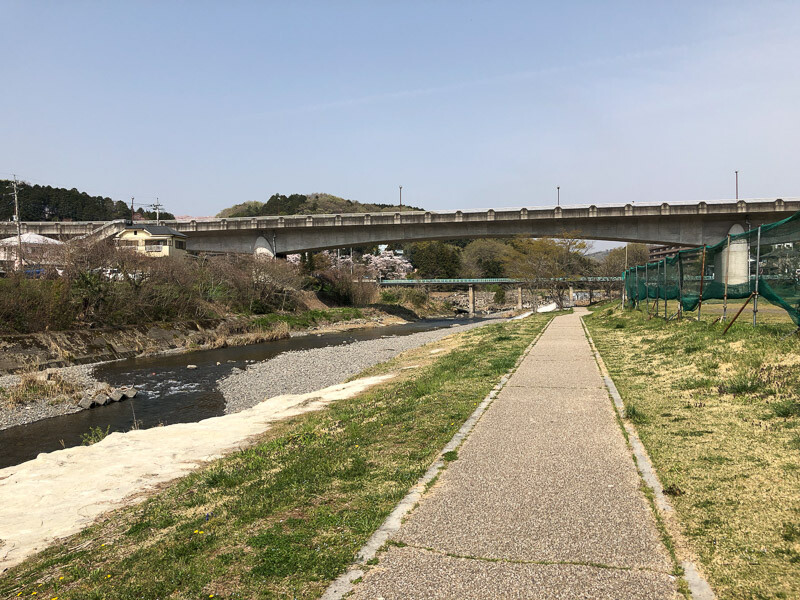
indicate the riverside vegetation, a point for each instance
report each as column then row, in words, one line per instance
column 720, row 418
column 286, row 516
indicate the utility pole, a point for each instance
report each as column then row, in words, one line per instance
column 131, row 210
column 157, row 206
column 401, row 196
column 558, row 195
column 19, row 261
column 737, row 185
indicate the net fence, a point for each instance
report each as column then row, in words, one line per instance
column 763, row 263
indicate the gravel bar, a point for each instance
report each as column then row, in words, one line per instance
column 44, row 408
column 308, row 370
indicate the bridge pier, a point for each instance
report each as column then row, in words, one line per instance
column 739, row 264
column 471, row 300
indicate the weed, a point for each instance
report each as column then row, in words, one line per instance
column 450, row 456
column 94, row 435
column 635, row 415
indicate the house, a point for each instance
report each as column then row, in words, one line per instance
column 37, row 250
column 152, row 240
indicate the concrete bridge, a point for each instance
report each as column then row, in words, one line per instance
column 688, row 223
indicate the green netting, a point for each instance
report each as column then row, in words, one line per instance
column 764, row 262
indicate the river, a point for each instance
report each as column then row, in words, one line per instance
column 170, row 393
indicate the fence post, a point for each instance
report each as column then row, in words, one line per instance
column 646, row 289
column 727, row 269
column 680, row 286
column 665, row 289
column 758, row 266
column 636, row 283
column 658, row 292
column 702, row 280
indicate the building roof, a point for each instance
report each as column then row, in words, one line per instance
column 155, row 230
column 29, row 238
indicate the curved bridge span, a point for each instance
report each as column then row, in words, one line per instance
column 693, row 223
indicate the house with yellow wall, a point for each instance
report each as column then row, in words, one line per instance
column 152, row 240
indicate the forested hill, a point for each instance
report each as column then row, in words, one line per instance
column 300, row 204
column 45, row 203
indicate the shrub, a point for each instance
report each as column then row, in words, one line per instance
column 389, row 297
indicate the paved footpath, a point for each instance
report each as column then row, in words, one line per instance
column 544, row 500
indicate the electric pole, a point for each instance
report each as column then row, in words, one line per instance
column 157, row 206
column 131, row 210
column 401, row 195
column 558, row 195
column 737, row 185
column 19, row 261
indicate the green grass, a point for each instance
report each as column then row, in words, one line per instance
column 720, row 418
column 309, row 318
column 286, row 516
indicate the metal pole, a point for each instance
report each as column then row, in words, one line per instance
column 758, row 267
column 702, row 280
column 646, row 289
column 636, row 283
column 558, row 195
column 658, row 292
column 665, row 288
column 680, row 286
column 737, row 185
column 727, row 270
column 401, row 195
column 19, row 262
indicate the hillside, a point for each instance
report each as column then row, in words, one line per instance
column 46, row 203
column 301, row 204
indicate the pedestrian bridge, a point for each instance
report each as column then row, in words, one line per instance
column 685, row 223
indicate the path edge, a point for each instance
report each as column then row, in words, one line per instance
column 699, row 587
column 343, row 584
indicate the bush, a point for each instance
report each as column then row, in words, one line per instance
column 389, row 297
column 415, row 296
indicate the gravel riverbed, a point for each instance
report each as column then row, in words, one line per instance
column 308, row 370
column 80, row 375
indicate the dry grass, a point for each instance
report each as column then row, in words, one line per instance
column 39, row 385
column 720, row 417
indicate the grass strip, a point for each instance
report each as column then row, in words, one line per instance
column 309, row 318
column 720, row 419
column 286, row 516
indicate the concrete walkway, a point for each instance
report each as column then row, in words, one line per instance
column 544, row 500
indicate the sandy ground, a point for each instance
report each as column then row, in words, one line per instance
column 51, row 497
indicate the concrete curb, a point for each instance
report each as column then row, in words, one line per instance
column 698, row 586
column 343, row 584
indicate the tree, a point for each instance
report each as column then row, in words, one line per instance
column 434, row 260
column 484, row 258
column 548, row 263
column 613, row 264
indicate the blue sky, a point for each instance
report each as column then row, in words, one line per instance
column 466, row 104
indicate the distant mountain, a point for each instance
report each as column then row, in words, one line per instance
column 600, row 255
column 301, row 204
column 46, row 203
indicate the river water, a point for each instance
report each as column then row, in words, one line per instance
column 169, row 392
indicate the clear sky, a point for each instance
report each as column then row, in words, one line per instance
column 465, row 104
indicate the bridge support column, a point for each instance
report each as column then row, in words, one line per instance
column 519, row 298
column 739, row 269
column 471, row 300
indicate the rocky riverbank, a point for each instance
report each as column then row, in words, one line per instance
column 307, row 370
column 82, row 380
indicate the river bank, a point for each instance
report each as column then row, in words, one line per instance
column 54, row 350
